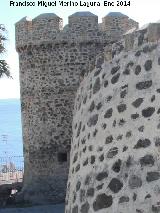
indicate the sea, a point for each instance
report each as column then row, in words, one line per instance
column 10, row 128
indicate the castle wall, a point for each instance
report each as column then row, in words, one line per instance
column 116, row 26
column 114, row 159
column 51, row 67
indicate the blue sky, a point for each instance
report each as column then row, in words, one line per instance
column 143, row 11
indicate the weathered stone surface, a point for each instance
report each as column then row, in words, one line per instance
column 77, row 168
column 102, row 201
column 99, row 106
column 97, row 72
column 101, row 176
column 82, row 195
column 135, row 182
column 147, row 196
column 108, row 113
column 115, row 185
column 123, row 199
column 87, row 179
column 117, row 166
column 101, row 157
column 147, row 160
column 121, row 108
column 134, row 197
column 126, row 71
column 148, row 65
column 152, row 176
column 128, row 134
column 92, row 159
column 141, row 128
column 85, row 207
column 92, row 106
column 109, row 98
column 156, row 208
column 122, row 122
column 78, row 185
column 153, row 98
column 148, row 112
column 75, row 209
column 138, row 53
column 140, row 39
column 109, row 139
column 123, row 93
column 129, row 161
column 96, row 86
column 99, row 187
column 144, row 85
column 112, row 152
column 85, row 99
column 137, row 69
column 142, row 143
column 157, row 141
column 93, row 120
column 106, row 83
column 114, row 70
column 134, row 116
column 79, row 129
column 137, row 102
column 90, row 192
column 115, row 78
column 119, row 137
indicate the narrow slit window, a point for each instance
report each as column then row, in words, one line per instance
column 62, row 157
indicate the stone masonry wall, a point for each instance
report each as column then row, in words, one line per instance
column 115, row 159
column 52, row 62
column 115, row 24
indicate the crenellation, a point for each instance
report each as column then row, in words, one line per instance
column 82, row 27
column 43, row 28
column 83, row 22
column 23, row 31
column 116, row 24
column 153, row 32
column 46, row 27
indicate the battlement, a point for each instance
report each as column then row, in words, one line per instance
column 42, row 28
column 133, row 39
column 116, row 24
column 82, row 27
column 81, row 21
column 137, row 37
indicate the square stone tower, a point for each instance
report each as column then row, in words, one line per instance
column 52, row 61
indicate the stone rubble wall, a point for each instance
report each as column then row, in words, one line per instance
column 115, row 159
column 117, row 26
column 53, row 60
column 50, row 73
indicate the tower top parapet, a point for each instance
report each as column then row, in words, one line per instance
column 82, row 27
column 42, row 28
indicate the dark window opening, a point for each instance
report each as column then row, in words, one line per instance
column 62, row 157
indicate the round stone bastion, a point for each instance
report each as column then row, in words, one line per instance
column 115, row 149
